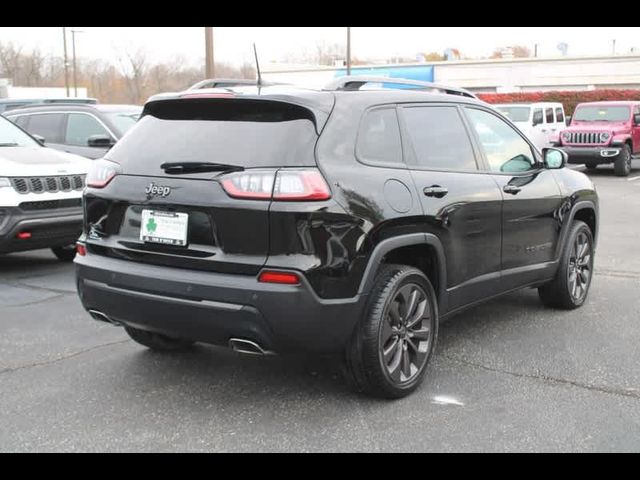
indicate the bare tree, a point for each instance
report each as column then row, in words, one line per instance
column 134, row 69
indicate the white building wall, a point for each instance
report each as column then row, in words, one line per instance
column 542, row 74
column 504, row 76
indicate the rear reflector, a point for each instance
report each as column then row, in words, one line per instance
column 24, row 236
column 305, row 185
column 81, row 250
column 280, row 278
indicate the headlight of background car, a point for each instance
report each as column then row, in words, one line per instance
column 566, row 136
column 605, row 137
column 5, row 183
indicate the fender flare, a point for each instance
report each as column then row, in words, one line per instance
column 583, row 205
column 387, row 246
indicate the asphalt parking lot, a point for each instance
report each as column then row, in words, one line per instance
column 507, row 376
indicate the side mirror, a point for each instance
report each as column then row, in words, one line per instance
column 636, row 120
column 555, row 159
column 41, row 140
column 100, row 141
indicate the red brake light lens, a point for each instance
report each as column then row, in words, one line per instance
column 279, row 278
column 101, row 173
column 81, row 250
column 306, row 185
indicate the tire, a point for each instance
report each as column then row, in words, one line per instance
column 65, row 254
column 570, row 289
column 386, row 327
column 622, row 165
column 157, row 342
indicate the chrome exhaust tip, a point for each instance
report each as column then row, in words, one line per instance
column 247, row 347
column 101, row 317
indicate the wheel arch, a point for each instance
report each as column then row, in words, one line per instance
column 420, row 250
column 587, row 212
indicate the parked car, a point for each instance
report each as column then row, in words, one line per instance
column 40, row 195
column 8, row 104
column 339, row 221
column 86, row 130
column 603, row 133
column 541, row 122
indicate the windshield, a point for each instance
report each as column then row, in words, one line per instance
column 124, row 121
column 602, row 114
column 516, row 114
column 12, row 136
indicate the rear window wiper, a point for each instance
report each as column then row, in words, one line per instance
column 199, row 167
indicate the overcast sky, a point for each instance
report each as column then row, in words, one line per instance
column 233, row 44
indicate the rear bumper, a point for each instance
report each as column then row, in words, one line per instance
column 214, row 308
column 597, row 155
column 55, row 228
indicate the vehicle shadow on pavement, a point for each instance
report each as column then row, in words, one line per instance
column 31, row 263
column 212, row 374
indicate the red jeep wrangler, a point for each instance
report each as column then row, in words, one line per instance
column 603, row 133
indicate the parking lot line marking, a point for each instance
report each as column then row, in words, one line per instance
column 633, row 179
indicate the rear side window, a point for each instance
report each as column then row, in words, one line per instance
column 559, row 115
column 439, row 138
column 20, row 121
column 48, row 126
column 379, row 140
column 81, row 127
column 244, row 133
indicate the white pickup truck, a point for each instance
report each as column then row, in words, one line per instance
column 40, row 195
column 540, row 122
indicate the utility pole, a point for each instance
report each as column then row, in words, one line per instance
column 75, row 66
column 66, row 60
column 348, row 50
column 210, row 62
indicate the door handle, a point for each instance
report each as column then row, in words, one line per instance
column 512, row 190
column 436, row 192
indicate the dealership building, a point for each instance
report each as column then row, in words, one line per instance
column 490, row 76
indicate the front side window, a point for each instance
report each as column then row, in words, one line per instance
column 81, row 127
column 559, row 115
column 550, row 118
column 538, row 117
column 439, row 139
column 379, row 139
column 505, row 150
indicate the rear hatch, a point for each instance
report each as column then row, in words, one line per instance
column 192, row 183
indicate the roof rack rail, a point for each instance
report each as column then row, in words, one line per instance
column 355, row 83
column 226, row 83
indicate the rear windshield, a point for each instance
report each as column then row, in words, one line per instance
column 244, row 133
column 516, row 114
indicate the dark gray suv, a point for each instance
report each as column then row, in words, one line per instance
column 85, row 130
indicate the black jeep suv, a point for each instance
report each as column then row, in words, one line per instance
column 350, row 220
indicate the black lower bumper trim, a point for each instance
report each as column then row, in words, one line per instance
column 215, row 308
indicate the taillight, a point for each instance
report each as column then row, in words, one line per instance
column 304, row 185
column 81, row 249
column 279, row 278
column 101, row 173
column 250, row 185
